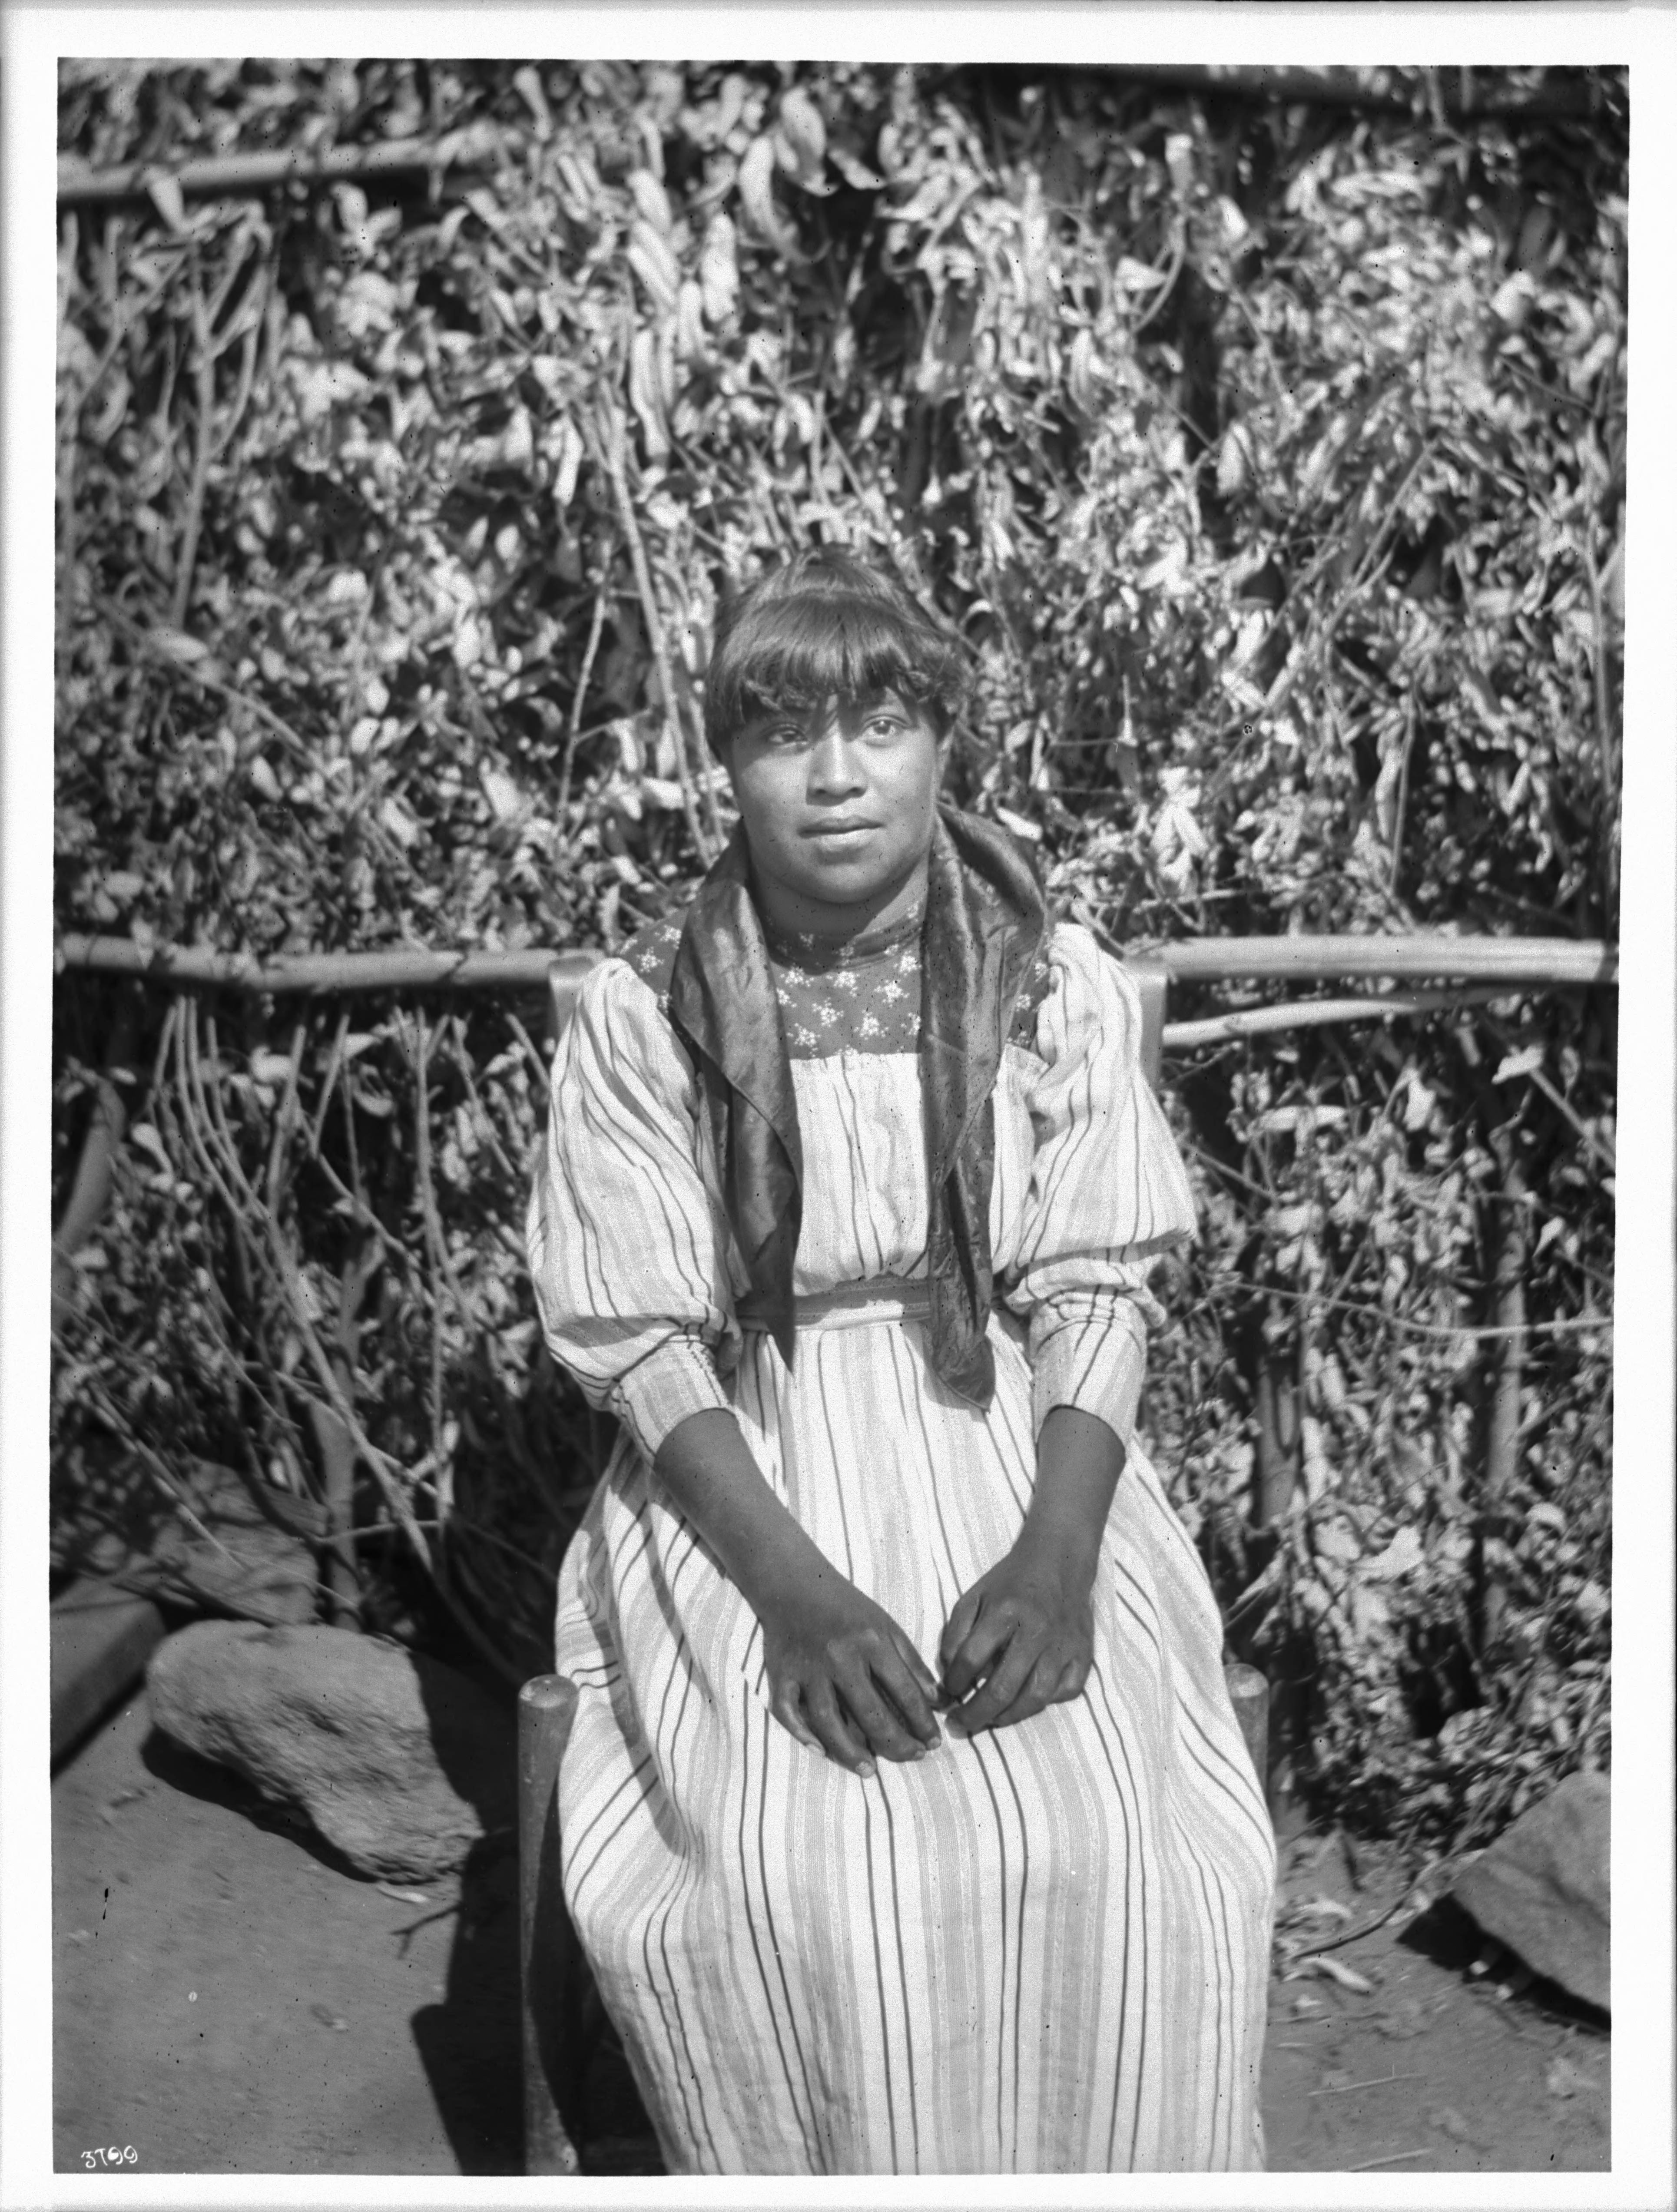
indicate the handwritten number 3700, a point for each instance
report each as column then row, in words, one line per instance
column 94, row 2158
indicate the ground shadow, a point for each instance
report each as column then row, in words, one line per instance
column 1448, row 1935
column 193, row 1776
column 468, row 2043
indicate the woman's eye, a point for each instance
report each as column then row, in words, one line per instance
column 883, row 725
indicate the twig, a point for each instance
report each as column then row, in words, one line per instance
column 1397, row 2158
column 328, row 1083
column 1400, row 816
column 615, row 438
column 285, row 1114
column 462, row 1059
column 594, row 628
column 364, row 1216
column 1445, row 1329
column 543, row 1073
column 69, row 421
column 96, row 1167
column 252, row 335
column 1163, row 291
column 284, row 1267
column 103, row 1410
column 205, row 390
column 1604, row 732
column 709, row 772
column 1605, row 1153
column 1368, row 1927
column 442, row 1482
column 138, row 635
column 1380, row 2081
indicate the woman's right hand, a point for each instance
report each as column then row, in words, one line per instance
column 843, row 1676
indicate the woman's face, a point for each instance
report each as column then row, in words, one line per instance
column 838, row 805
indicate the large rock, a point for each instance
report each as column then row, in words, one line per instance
column 1542, row 1888
column 399, row 1761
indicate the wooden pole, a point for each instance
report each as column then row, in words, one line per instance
column 1509, row 961
column 1249, row 1693
column 1317, row 1013
column 1287, row 88
column 1502, row 1458
column 548, row 1959
column 231, row 175
column 1152, row 980
column 318, row 973
column 96, row 1167
column 1423, row 956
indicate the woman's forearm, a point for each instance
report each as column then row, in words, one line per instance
column 1079, row 1461
column 706, row 1468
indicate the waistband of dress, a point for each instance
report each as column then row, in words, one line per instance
column 879, row 1298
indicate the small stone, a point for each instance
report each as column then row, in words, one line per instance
column 1564, row 2079
column 398, row 1760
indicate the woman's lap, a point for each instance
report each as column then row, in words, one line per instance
column 1039, row 1950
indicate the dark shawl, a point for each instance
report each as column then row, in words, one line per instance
column 985, row 920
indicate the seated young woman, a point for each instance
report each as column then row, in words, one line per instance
column 905, row 1820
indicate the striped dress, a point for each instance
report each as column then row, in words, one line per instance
column 1043, row 1950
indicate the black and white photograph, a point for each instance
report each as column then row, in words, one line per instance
column 828, row 1018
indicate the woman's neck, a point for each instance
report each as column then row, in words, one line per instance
column 790, row 916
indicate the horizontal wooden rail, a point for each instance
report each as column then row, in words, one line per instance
column 1509, row 961
column 1421, row 957
column 318, row 974
column 1275, row 88
column 231, row 174
column 1318, row 1013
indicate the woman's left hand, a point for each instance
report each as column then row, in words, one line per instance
column 1024, row 1631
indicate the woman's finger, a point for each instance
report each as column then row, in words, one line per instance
column 784, row 1706
column 1006, row 1678
column 988, row 1634
column 1072, row 1677
column 876, row 1721
column 910, row 1684
column 1040, row 1689
column 955, row 1627
column 838, row 1740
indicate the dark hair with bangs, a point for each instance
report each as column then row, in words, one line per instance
column 825, row 626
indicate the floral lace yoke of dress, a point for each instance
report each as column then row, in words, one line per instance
column 860, row 995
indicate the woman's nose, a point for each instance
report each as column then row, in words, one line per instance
column 834, row 769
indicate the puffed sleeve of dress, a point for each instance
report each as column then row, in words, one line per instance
column 622, row 1236
column 1108, row 1194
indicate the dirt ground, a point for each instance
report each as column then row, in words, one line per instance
column 229, row 1998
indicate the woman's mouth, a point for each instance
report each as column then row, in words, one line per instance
column 847, row 831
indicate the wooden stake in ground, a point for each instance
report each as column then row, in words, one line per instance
column 1502, row 1447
